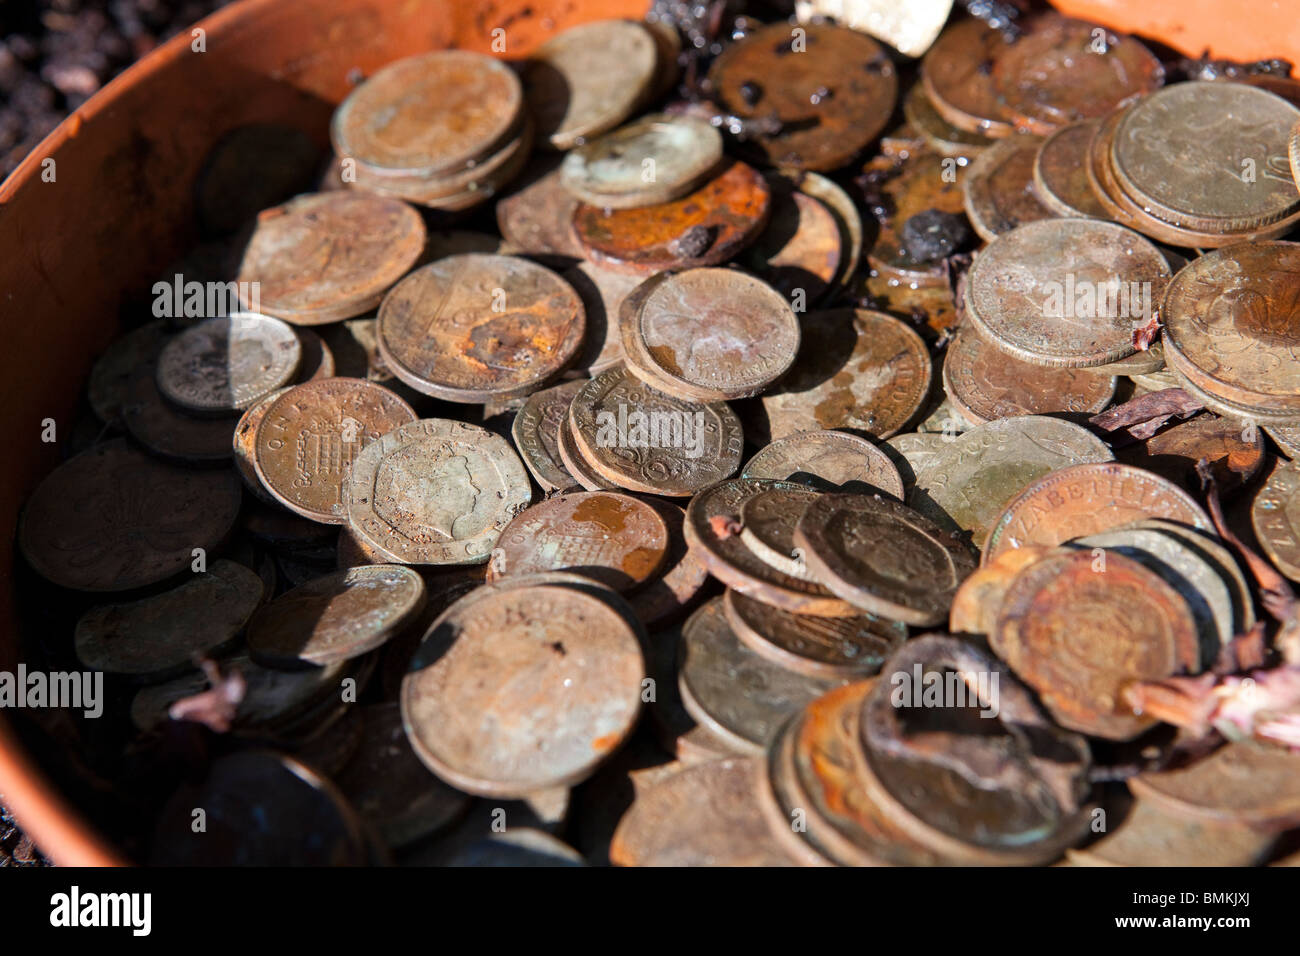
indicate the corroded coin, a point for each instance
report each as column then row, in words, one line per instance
column 1067, row 292
column 739, row 695
column 967, row 484
column 602, row 292
column 244, row 444
column 857, row 370
column 705, row 227
column 336, row 617
column 537, row 217
column 1077, row 636
column 614, row 538
column 1275, row 515
column 1062, row 71
column 977, row 602
column 882, row 556
column 985, row 383
column 709, row 334
column 957, row 75
column 472, row 327
column 940, row 135
column 328, row 256
column 577, row 668
column 830, row 88
column 425, row 115
column 311, row 435
column 536, row 432
column 158, row 637
column 1061, row 173
column 917, row 185
column 228, row 363
column 166, row 431
column 113, row 519
column 576, row 464
column 707, row 815
column 799, row 251
column 655, row 159
column 435, row 491
column 644, row 440
column 1242, row 782
column 1149, row 836
column 115, row 370
column 767, row 521
column 826, row 647
column 998, row 190
column 1085, row 499
column 683, row 576
column 589, row 79
column 827, row 460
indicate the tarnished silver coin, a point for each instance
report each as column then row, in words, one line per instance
column 827, row 460
column 655, row 159
column 229, row 363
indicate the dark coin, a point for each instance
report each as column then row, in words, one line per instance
column 536, row 432
column 1061, row 172
column 168, row 432
column 918, row 184
column 957, row 75
column 999, row 187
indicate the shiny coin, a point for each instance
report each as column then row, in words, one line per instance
column 957, row 75
column 113, row 519
column 602, row 292
column 1242, row 782
column 310, row 436
column 114, row 371
column 1086, row 499
column 705, row 227
column 336, row 617
column 578, row 669
column 614, row 538
column 158, row 637
column 655, row 159
column 1149, row 836
column 856, row 369
column 1275, row 515
column 827, row 460
column 329, row 256
column 435, row 491
column 832, row 89
column 166, row 431
column 998, row 189
column 472, row 327
column 645, row 440
column 1068, row 292
column 536, row 433
column 1061, row 173
column 883, row 557
column 229, row 363
column 709, row 335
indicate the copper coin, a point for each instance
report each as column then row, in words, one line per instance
column 472, row 327
column 654, row 159
column 1242, row 782
column 435, row 491
column 113, row 372
column 827, row 460
column 428, row 114
column 985, row 383
column 684, row 575
column 940, row 135
column 226, row 364
column 577, row 670
column 826, row 647
column 1067, row 292
column 602, row 292
column 915, row 185
column 645, row 440
column 707, row 815
column 589, row 79
column 336, row 617
column 1078, row 636
column 536, row 432
column 857, row 370
column 1150, row 837
column 329, row 256
column 710, row 520
column 709, row 335
column 1061, row 173
column 882, row 556
column 1228, row 314
column 739, row 695
column 1275, row 515
column 310, row 436
column 832, row 90
column 977, row 602
column 957, row 75
column 1060, row 71
column 158, row 637
column 1234, row 451
column 537, row 217
column 799, row 251
column 847, row 218
column 113, row 519
column 576, row 464
column 784, row 803
column 244, row 445
column 998, row 190
column 169, row 433
column 767, row 521
column 613, row 538
column 705, row 227
column 1085, row 499
column 1287, row 438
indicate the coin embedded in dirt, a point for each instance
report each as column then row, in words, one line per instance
column 654, row 159
column 536, row 433
column 614, row 538
column 827, row 460
column 310, row 436
column 578, row 670
column 114, row 519
column 473, row 327
column 226, row 364
column 435, row 491
column 336, row 617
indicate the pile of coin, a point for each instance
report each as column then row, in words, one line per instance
column 904, row 564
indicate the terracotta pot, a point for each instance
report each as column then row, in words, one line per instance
column 120, row 208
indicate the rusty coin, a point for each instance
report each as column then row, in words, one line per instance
column 226, row 364
column 537, row 217
column 536, row 433
column 957, row 75
column 827, row 460
column 914, row 185
column 940, row 135
column 998, row 189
